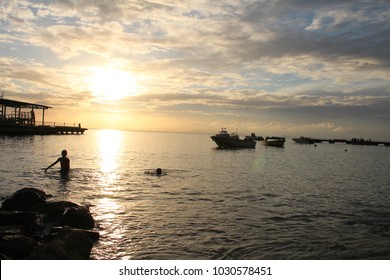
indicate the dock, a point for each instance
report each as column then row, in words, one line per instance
column 19, row 118
column 331, row 141
column 353, row 141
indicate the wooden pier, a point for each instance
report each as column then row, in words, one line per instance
column 18, row 118
column 353, row 141
column 331, row 141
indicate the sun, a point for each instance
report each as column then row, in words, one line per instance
column 111, row 84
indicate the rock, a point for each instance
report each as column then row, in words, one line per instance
column 93, row 235
column 11, row 230
column 24, row 234
column 71, row 246
column 4, row 257
column 16, row 246
column 77, row 218
column 14, row 242
column 23, row 199
column 31, row 222
column 54, row 210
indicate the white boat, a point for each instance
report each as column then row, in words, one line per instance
column 274, row 141
column 225, row 140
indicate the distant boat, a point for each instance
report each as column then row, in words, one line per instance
column 225, row 140
column 274, row 141
column 304, row 140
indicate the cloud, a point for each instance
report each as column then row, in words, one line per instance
column 241, row 59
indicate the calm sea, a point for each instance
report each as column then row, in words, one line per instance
column 296, row 202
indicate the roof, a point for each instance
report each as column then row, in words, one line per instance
column 14, row 103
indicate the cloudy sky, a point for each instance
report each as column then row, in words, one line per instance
column 297, row 67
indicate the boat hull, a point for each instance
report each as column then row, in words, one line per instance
column 304, row 140
column 233, row 143
column 274, row 143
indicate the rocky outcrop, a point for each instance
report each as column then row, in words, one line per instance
column 14, row 243
column 33, row 228
column 23, row 199
column 54, row 210
column 68, row 245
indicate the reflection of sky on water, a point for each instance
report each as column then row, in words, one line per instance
column 213, row 204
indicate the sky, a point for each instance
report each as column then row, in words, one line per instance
column 284, row 68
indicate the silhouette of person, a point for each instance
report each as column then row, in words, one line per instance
column 32, row 117
column 158, row 171
column 64, row 161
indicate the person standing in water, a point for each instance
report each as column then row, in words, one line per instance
column 64, row 161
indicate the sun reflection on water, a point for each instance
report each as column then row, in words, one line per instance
column 110, row 142
column 110, row 145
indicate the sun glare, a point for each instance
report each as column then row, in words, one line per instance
column 110, row 144
column 111, row 84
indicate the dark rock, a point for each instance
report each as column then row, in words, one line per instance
column 11, row 230
column 24, row 233
column 55, row 250
column 72, row 246
column 93, row 235
column 4, row 257
column 16, row 246
column 31, row 222
column 77, row 218
column 23, row 199
column 54, row 210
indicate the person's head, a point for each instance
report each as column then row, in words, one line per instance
column 158, row 171
column 64, row 153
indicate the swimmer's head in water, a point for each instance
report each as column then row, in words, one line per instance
column 158, row 171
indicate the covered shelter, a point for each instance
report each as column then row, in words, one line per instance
column 20, row 113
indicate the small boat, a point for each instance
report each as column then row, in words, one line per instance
column 225, row 140
column 274, row 141
column 304, row 140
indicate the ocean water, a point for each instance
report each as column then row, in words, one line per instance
column 296, row 202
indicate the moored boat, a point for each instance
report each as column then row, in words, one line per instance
column 304, row 140
column 274, row 141
column 225, row 140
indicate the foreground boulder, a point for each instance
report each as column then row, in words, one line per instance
column 24, row 198
column 72, row 245
column 14, row 242
column 17, row 246
column 30, row 221
column 40, row 230
column 54, row 210
column 77, row 218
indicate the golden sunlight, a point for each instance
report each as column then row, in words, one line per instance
column 110, row 145
column 109, row 83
